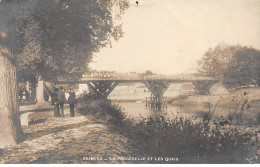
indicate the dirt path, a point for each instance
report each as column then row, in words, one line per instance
column 79, row 139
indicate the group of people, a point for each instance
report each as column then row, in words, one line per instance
column 23, row 92
column 59, row 99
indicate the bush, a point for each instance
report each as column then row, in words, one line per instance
column 101, row 108
column 187, row 139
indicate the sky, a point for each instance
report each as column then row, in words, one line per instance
column 170, row 36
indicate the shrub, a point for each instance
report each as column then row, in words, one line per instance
column 102, row 108
column 190, row 141
column 187, row 139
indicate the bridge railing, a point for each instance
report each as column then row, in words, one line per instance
column 165, row 77
column 139, row 78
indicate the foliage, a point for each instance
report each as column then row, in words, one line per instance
column 234, row 65
column 245, row 68
column 58, row 37
column 187, row 139
column 216, row 60
column 101, row 108
column 190, row 141
column 147, row 72
column 239, row 112
column 7, row 25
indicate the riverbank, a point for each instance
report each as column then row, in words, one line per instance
column 184, row 139
column 79, row 139
column 243, row 100
column 100, row 133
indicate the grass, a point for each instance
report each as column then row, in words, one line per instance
column 234, row 106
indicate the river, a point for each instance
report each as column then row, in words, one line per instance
column 138, row 92
column 139, row 110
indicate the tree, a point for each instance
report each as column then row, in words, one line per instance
column 64, row 34
column 216, row 60
column 10, row 126
column 147, row 72
column 51, row 38
column 244, row 69
column 233, row 65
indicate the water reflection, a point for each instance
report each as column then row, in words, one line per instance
column 139, row 110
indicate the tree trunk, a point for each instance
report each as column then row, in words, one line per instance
column 10, row 126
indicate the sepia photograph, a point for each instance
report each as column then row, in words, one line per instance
column 129, row 81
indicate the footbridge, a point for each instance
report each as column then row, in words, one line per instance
column 156, row 84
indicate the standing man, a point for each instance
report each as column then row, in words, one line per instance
column 20, row 94
column 72, row 101
column 55, row 103
column 61, row 100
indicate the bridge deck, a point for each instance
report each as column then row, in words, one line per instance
column 103, row 86
column 134, row 80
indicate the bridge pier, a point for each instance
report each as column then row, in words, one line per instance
column 203, row 87
column 157, row 89
column 102, row 88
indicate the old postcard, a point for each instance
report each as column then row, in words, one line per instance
column 129, row 81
